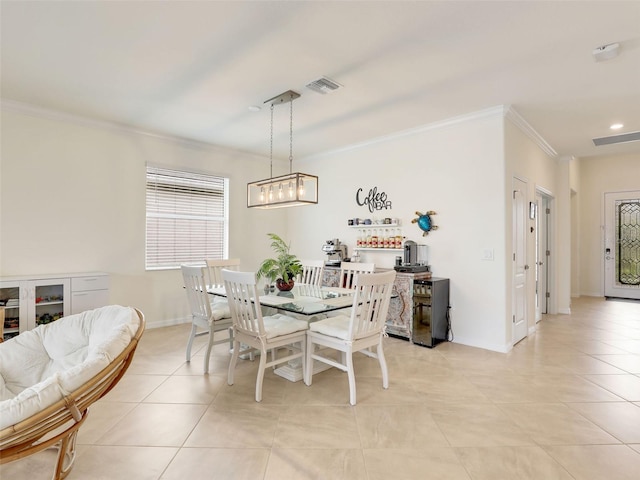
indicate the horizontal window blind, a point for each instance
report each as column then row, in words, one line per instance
column 186, row 220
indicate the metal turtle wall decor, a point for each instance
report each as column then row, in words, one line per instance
column 424, row 222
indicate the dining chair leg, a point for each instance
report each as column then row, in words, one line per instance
column 352, row 378
column 207, row 354
column 260, row 379
column 383, row 365
column 342, row 357
column 307, row 368
column 190, row 342
column 234, row 360
column 303, row 358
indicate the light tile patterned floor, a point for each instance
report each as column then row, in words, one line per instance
column 564, row 404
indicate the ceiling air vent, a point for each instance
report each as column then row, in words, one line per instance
column 622, row 138
column 323, row 85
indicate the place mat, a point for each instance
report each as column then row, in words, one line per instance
column 339, row 301
column 311, row 308
column 306, row 299
column 273, row 300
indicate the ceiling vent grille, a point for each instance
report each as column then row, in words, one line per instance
column 323, row 85
column 622, row 138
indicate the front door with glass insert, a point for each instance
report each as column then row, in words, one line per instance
column 622, row 245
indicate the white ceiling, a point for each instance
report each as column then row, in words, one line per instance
column 192, row 69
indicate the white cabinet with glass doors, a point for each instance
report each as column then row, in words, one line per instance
column 29, row 303
column 36, row 300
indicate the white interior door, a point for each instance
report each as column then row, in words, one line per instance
column 520, row 267
column 622, row 244
column 543, row 251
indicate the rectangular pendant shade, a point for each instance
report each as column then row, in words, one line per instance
column 291, row 190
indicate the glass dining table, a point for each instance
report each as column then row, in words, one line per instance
column 305, row 302
column 303, row 299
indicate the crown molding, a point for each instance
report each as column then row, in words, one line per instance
column 511, row 114
column 488, row 112
column 57, row 115
column 506, row 111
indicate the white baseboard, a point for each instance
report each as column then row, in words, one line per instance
column 487, row 346
column 592, row 294
column 564, row 311
column 170, row 322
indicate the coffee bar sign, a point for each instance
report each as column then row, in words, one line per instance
column 374, row 200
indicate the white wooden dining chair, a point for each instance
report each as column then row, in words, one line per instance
column 210, row 318
column 260, row 333
column 359, row 332
column 346, row 278
column 214, row 271
column 348, row 271
column 311, row 272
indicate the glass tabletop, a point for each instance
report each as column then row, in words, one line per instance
column 302, row 298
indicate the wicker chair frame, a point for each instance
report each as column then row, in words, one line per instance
column 59, row 423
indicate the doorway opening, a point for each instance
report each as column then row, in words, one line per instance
column 544, row 253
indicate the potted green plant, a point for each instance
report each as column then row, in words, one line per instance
column 284, row 268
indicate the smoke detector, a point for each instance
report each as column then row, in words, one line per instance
column 323, row 85
column 606, row 52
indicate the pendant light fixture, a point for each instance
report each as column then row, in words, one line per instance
column 289, row 190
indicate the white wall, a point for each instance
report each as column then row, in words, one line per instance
column 457, row 170
column 528, row 161
column 598, row 175
column 72, row 199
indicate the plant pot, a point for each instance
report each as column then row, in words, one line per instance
column 284, row 286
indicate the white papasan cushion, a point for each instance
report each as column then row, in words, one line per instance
column 40, row 366
column 333, row 327
column 277, row 325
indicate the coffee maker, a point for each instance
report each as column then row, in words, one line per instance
column 414, row 259
column 335, row 251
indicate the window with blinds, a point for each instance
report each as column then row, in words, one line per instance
column 187, row 217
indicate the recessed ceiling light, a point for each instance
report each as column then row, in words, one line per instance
column 254, row 108
column 616, row 126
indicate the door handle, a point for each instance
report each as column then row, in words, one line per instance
column 540, row 263
column 526, row 267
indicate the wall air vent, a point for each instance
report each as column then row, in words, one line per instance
column 622, row 138
column 323, row 85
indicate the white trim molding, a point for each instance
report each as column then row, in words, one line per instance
column 517, row 119
column 57, row 115
column 488, row 112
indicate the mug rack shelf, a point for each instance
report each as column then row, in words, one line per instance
column 375, row 225
column 370, row 249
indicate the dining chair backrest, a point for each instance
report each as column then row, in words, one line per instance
column 370, row 304
column 311, row 272
column 348, row 271
column 242, row 295
column 195, row 283
column 214, row 269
